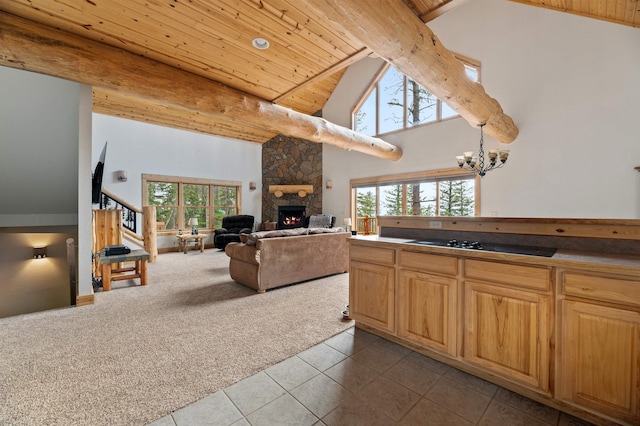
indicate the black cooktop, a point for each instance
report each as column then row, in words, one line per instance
column 500, row 248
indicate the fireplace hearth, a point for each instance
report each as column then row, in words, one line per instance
column 291, row 217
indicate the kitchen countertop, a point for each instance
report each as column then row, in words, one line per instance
column 562, row 257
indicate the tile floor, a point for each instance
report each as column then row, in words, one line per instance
column 356, row 378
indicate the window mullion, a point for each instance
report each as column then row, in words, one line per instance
column 181, row 224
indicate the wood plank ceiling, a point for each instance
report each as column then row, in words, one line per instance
column 213, row 39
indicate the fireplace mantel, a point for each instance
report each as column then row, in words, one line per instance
column 280, row 190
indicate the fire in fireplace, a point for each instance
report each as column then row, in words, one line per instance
column 291, row 217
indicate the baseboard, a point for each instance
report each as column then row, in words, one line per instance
column 85, row 300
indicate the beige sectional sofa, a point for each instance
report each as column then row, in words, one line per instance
column 271, row 259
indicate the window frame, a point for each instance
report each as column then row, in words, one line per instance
column 454, row 173
column 373, row 86
column 181, row 181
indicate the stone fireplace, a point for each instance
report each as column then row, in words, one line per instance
column 291, row 161
column 291, row 217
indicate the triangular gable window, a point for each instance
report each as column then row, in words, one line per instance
column 395, row 102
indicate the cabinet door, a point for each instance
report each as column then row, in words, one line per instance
column 507, row 331
column 427, row 310
column 372, row 295
column 599, row 359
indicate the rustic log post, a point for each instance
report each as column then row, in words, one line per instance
column 149, row 233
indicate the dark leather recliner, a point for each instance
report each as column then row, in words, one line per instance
column 232, row 227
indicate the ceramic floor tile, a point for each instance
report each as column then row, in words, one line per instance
column 356, row 378
column 499, row 414
column 356, row 412
column 350, row 344
column 283, row 411
column 569, row 420
column 409, row 375
column 215, row 410
column 422, row 361
column 291, row 372
column 393, row 347
column 254, row 392
column 351, row 374
column 391, row 398
column 320, row 395
column 427, row 413
column 322, row 356
column 531, row 407
column 378, row 357
column 459, row 398
column 473, row 382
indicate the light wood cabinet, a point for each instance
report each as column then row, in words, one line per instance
column 427, row 310
column 599, row 362
column 568, row 338
column 507, row 332
column 372, row 295
column 508, row 320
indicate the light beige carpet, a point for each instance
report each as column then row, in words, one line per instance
column 139, row 352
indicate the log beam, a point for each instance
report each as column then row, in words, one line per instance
column 394, row 32
column 33, row 47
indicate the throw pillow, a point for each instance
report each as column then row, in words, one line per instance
column 320, row 221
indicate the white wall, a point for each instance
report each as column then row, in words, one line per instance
column 44, row 184
column 141, row 148
column 570, row 84
column 38, row 149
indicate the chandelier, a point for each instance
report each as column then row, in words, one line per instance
column 477, row 164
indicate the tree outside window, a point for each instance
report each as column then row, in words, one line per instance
column 196, row 204
column 395, row 101
column 178, row 199
column 224, row 203
column 431, row 195
column 164, row 196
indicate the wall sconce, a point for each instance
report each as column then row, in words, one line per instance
column 39, row 252
column 121, row 175
column 252, row 186
column 329, row 184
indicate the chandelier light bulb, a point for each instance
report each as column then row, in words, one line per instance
column 477, row 164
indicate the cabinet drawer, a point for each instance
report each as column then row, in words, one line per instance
column 428, row 262
column 529, row 277
column 372, row 254
column 605, row 288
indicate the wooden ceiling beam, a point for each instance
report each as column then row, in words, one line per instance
column 441, row 10
column 394, row 32
column 38, row 48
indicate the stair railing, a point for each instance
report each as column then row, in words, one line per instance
column 110, row 201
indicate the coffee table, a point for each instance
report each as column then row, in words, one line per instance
column 183, row 239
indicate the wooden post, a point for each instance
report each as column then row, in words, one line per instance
column 107, row 230
column 149, row 234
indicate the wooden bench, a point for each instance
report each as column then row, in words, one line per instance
column 138, row 271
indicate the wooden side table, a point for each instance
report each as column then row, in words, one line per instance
column 183, row 239
column 138, row 271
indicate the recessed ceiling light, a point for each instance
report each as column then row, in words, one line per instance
column 260, row 43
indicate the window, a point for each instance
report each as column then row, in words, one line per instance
column 178, row 199
column 451, row 192
column 395, row 101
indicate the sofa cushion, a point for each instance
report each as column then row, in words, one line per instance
column 253, row 238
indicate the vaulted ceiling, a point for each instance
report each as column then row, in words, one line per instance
column 212, row 39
